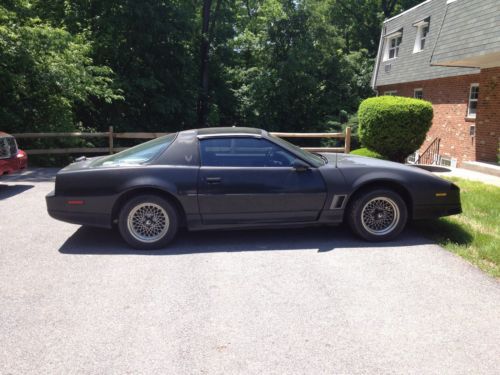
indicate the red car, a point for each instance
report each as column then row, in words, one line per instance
column 11, row 158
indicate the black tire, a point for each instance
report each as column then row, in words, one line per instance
column 377, row 215
column 148, row 222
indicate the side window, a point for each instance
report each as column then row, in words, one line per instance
column 473, row 97
column 422, row 31
column 392, row 44
column 243, row 152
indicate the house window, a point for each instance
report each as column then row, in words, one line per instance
column 418, row 94
column 391, row 93
column 473, row 96
column 422, row 32
column 392, row 45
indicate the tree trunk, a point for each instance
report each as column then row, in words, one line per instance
column 202, row 104
column 388, row 7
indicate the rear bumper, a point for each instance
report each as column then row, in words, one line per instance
column 86, row 214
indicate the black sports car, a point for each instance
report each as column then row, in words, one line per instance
column 242, row 177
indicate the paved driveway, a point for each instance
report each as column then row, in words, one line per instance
column 311, row 301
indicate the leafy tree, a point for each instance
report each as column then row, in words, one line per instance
column 150, row 45
column 45, row 72
column 169, row 65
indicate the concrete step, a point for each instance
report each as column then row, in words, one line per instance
column 488, row 168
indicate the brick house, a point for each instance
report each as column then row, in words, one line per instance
column 448, row 52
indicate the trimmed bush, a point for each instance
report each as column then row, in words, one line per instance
column 367, row 152
column 394, row 126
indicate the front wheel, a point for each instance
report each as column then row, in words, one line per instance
column 148, row 222
column 378, row 215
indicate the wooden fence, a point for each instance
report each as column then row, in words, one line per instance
column 111, row 136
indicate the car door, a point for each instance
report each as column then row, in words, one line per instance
column 252, row 180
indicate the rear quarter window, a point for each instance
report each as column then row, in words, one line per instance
column 8, row 147
column 140, row 154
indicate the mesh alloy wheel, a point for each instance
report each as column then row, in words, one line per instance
column 377, row 214
column 380, row 216
column 148, row 222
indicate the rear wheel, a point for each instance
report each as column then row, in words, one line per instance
column 378, row 215
column 148, row 222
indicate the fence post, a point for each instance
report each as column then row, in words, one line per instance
column 110, row 140
column 347, row 147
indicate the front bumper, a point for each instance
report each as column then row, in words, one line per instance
column 13, row 165
column 442, row 202
column 85, row 214
column 433, row 211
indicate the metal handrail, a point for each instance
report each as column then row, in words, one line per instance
column 431, row 154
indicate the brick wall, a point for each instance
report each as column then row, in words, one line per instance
column 488, row 115
column 449, row 97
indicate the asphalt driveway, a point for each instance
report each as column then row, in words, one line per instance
column 309, row 301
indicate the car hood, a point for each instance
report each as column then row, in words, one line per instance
column 344, row 161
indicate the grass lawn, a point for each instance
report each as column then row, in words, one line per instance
column 475, row 234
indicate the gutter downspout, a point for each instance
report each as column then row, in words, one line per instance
column 438, row 35
column 377, row 62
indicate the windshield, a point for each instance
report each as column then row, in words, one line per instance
column 315, row 160
column 139, row 154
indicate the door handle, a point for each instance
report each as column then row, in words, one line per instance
column 213, row 180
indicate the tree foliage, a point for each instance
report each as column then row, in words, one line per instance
column 46, row 72
column 155, row 65
column 394, row 126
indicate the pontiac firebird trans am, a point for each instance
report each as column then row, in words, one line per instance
column 238, row 178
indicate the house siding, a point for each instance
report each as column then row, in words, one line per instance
column 461, row 32
column 409, row 66
column 470, row 27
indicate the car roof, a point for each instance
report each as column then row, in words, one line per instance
column 2, row 134
column 229, row 131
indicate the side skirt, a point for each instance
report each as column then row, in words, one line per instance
column 198, row 226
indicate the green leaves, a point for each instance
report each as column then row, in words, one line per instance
column 394, row 126
column 277, row 64
column 45, row 72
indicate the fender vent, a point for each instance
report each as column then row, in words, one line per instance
column 338, row 202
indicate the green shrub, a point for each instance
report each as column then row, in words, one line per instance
column 394, row 126
column 367, row 152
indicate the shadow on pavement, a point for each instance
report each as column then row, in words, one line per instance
column 8, row 191
column 88, row 240
column 32, row 175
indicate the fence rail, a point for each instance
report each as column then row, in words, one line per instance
column 111, row 136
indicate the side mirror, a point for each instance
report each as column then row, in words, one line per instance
column 300, row 166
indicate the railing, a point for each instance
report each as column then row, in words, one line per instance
column 431, row 154
column 111, row 136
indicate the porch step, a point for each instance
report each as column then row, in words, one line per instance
column 488, row 168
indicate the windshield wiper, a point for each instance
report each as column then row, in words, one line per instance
column 325, row 159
